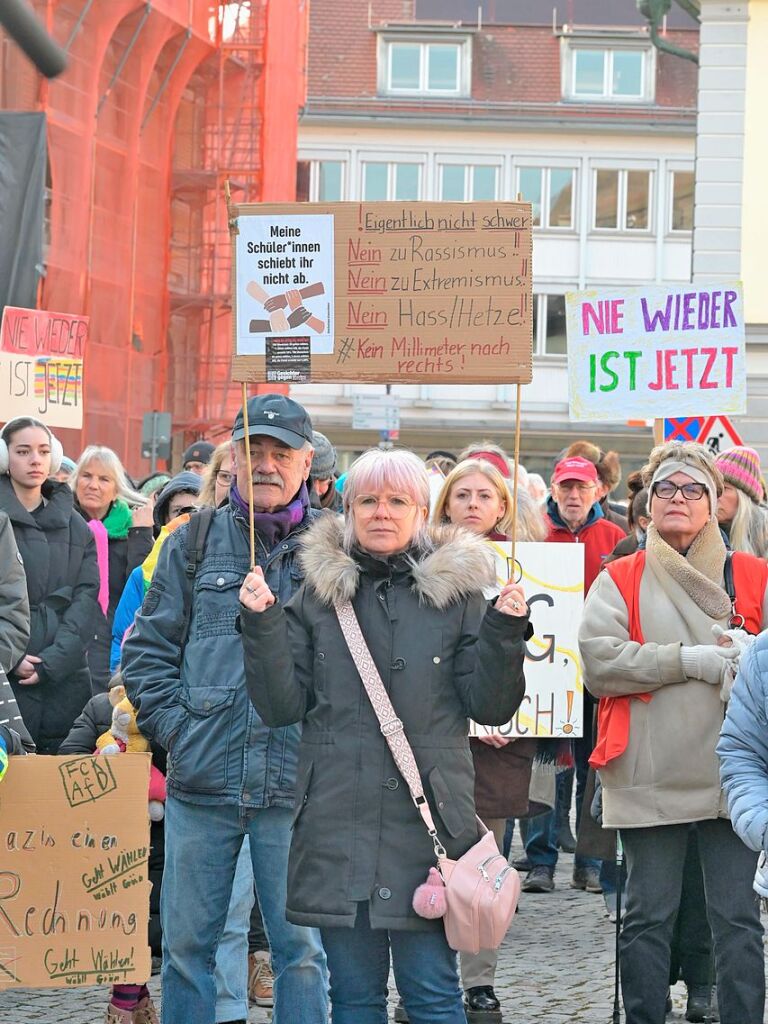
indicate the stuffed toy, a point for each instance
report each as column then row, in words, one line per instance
column 124, row 737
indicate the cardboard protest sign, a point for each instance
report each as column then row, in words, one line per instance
column 41, row 365
column 552, row 576
column 375, row 292
column 651, row 351
column 74, row 893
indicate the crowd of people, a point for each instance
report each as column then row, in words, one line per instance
column 287, row 850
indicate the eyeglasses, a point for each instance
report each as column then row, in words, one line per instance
column 691, row 492
column 397, row 505
column 223, row 477
column 575, row 485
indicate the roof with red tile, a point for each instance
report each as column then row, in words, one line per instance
column 515, row 74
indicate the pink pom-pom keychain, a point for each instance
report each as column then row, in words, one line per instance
column 429, row 899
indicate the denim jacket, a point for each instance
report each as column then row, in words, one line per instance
column 190, row 692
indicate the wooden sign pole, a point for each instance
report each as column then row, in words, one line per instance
column 518, row 390
column 232, row 222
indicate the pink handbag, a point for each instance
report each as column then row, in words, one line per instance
column 481, row 888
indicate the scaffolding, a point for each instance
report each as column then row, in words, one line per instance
column 160, row 104
column 221, row 129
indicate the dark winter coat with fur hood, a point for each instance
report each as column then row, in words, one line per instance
column 444, row 656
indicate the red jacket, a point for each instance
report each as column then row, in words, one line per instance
column 598, row 536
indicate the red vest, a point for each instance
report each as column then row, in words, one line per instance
column 750, row 578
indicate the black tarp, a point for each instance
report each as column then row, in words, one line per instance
column 22, row 196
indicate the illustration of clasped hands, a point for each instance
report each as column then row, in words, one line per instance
column 276, row 304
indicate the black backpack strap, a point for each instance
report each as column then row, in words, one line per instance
column 730, row 587
column 736, row 621
column 199, row 524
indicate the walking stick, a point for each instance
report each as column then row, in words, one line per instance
column 616, row 1019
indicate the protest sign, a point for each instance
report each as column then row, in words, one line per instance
column 74, row 893
column 41, row 365
column 646, row 352
column 375, row 292
column 552, row 577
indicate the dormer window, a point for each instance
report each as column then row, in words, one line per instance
column 419, row 66
column 594, row 72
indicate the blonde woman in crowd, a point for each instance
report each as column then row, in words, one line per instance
column 217, row 476
column 741, row 511
column 475, row 495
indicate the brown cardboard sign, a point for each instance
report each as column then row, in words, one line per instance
column 407, row 292
column 74, row 892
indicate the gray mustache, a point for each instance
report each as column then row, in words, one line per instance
column 267, row 478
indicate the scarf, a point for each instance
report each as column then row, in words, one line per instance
column 699, row 571
column 117, row 522
column 102, row 560
column 114, row 526
column 275, row 526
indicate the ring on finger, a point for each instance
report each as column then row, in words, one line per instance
column 249, row 588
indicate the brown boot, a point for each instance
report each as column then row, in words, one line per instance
column 260, row 978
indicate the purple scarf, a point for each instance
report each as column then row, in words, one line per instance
column 274, row 526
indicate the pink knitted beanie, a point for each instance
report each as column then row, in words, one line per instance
column 740, row 467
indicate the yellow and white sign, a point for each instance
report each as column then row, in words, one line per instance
column 552, row 576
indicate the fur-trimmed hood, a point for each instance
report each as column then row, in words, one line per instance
column 454, row 565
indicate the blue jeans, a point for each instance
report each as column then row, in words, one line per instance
column 424, row 966
column 231, row 974
column 202, row 843
column 541, row 843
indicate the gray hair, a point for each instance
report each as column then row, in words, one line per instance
column 107, row 457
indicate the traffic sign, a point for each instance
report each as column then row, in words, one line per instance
column 686, row 428
column 719, row 434
column 375, row 412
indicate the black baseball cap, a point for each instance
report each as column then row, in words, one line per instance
column 200, row 451
column 275, row 416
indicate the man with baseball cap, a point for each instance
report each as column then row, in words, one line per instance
column 197, row 457
column 229, row 775
column 575, row 517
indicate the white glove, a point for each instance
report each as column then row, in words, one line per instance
column 760, row 884
column 707, row 662
column 740, row 640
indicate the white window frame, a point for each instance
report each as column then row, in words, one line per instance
column 621, row 228
column 468, row 163
column 375, row 158
column 464, row 64
column 545, row 167
column 541, row 299
column 672, row 170
column 314, row 176
column 569, row 48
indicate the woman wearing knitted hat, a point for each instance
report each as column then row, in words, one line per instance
column 660, row 646
column 740, row 509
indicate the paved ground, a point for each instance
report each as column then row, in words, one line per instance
column 556, row 967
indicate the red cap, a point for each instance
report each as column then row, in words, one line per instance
column 495, row 460
column 575, row 468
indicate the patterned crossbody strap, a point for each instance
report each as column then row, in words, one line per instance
column 390, row 725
